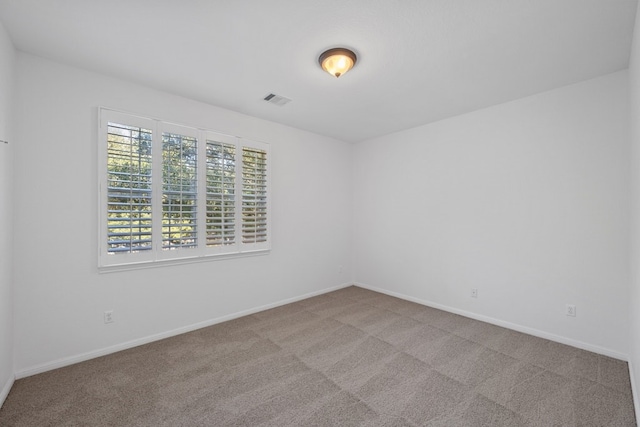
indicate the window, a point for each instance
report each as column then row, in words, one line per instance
column 170, row 192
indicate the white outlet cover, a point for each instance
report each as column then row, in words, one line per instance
column 108, row 317
column 571, row 310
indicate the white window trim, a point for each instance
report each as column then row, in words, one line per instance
column 157, row 256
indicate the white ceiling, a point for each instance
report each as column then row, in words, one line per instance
column 419, row 60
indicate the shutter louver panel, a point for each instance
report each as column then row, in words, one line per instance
column 129, row 161
column 254, row 195
column 179, row 191
column 220, row 211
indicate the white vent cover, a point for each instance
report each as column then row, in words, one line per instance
column 278, row 100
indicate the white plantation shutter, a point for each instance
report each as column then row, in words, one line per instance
column 129, row 218
column 171, row 192
column 179, row 191
column 254, row 195
column 221, row 193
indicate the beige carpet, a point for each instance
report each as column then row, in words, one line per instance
column 348, row 358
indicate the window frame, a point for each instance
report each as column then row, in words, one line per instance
column 157, row 255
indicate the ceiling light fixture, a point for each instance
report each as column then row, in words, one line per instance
column 337, row 61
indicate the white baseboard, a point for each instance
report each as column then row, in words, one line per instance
column 5, row 390
column 634, row 391
column 66, row 361
column 504, row 324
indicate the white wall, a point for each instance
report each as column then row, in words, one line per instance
column 7, row 64
column 60, row 297
column 634, row 299
column 526, row 201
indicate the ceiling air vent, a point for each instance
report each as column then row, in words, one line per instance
column 278, row 100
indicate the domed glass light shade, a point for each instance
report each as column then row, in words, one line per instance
column 337, row 61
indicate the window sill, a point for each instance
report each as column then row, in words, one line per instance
column 178, row 261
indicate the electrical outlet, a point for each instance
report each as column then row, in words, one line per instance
column 340, row 269
column 108, row 316
column 474, row 293
column 571, row 310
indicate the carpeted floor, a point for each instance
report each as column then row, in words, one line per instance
column 350, row 357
